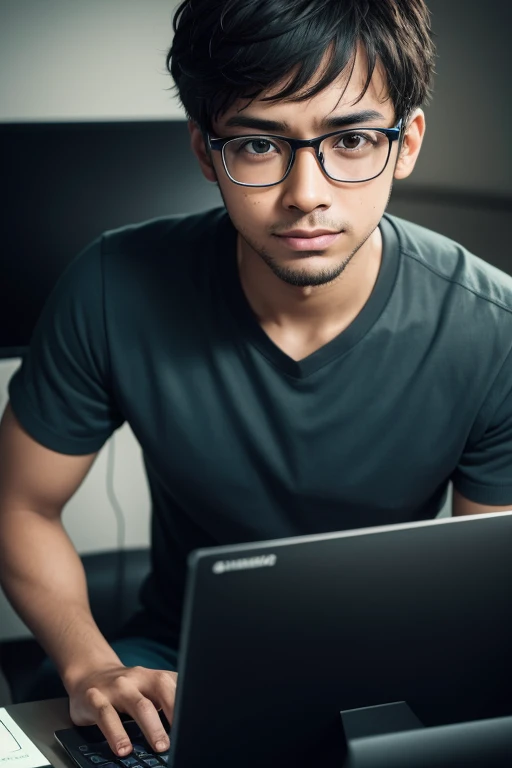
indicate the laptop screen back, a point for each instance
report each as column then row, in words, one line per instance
column 280, row 636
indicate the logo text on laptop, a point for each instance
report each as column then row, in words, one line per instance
column 261, row 561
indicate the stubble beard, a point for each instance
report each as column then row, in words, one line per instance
column 304, row 278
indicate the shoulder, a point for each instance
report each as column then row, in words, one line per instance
column 166, row 233
column 456, row 302
column 447, row 264
column 134, row 266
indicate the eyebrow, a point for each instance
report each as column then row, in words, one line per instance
column 333, row 122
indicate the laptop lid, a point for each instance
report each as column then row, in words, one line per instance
column 280, row 636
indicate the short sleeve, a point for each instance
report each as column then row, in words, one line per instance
column 62, row 393
column 484, row 473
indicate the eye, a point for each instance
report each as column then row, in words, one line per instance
column 258, row 147
column 352, row 141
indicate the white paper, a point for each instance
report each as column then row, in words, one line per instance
column 16, row 749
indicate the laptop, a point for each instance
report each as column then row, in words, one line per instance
column 284, row 642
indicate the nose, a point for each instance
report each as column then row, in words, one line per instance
column 306, row 187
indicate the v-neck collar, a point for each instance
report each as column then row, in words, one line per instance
column 249, row 327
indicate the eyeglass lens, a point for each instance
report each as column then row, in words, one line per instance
column 347, row 156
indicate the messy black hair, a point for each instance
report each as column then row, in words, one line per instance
column 224, row 50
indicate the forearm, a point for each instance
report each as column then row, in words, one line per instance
column 44, row 579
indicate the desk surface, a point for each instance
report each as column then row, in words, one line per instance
column 39, row 719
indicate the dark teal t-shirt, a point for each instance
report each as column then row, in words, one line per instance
column 150, row 325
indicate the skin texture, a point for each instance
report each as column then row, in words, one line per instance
column 36, row 483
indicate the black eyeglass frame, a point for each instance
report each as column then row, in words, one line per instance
column 393, row 134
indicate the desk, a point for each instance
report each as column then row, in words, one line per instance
column 39, row 719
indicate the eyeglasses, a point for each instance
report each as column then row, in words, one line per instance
column 350, row 156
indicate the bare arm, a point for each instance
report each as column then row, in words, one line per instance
column 39, row 569
column 463, row 506
column 43, row 577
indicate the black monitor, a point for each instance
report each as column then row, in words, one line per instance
column 281, row 636
column 66, row 183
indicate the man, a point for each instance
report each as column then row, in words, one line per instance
column 299, row 364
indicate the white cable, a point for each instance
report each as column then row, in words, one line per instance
column 119, row 599
column 112, row 497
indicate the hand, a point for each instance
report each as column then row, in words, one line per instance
column 97, row 698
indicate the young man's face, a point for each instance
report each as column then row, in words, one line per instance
column 307, row 199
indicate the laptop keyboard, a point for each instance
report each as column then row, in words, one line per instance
column 100, row 754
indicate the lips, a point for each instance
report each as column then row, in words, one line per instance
column 304, row 233
column 301, row 242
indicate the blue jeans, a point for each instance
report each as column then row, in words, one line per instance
column 133, row 651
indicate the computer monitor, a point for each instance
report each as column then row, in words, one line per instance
column 66, row 183
column 280, row 636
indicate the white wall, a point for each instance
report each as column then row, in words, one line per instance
column 85, row 60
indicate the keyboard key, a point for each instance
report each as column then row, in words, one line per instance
column 164, row 757
column 84, row 748
column 129, row 761
column 151, row 761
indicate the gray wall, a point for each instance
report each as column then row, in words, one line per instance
column 468, row 135
column 93, row 59
column 462, row 184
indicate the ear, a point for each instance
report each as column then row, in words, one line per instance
column 411, row 145
column 201, row 152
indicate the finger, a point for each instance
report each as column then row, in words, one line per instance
column 109, row 722
column 146, row 716
column 163, row 692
